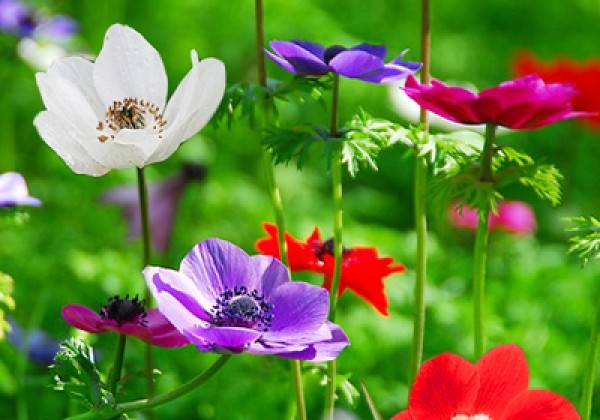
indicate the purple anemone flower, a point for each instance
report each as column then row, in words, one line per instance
column 363, row 61
column 163, row 200
column 125, row 316
column 225, row 301
column 14, row 192
column 36, row 344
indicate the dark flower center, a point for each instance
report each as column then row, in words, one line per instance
column 241, row 308
column 331, row 52
column 124, row 310
column 321, row 248
column 133, row 114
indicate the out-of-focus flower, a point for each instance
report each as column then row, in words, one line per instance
column 363, row 270
column 363, row 61
column 512, row 216
column 448, row 387
column 125, row 316
column 225, row 301
column 113, row 113
column 585, row 76
column 163, row 200
column 14, row 192
column 526, row 103
column 15, row 18
column 36, row 344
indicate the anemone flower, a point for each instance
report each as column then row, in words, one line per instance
column 36, row 344
column 225, row 301
column 584, row 75
column 526, row 103
column 14, row 192
column 364, row 61
column 125, row 316
column 112, row 113
column 163, row 200
column 448, row 387
column 363, row 270
column 512, row 216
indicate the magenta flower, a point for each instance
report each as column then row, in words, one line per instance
column 163, row 201
column 125, row 316
column 512, row 216
column 526, row 103
column 225, row 301
column 364, row 61
column 14, row 192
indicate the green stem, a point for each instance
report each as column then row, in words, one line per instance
column 481, row 245
column 420, row 209
column 585, row 407
column 147, row 403
column 336, row 181
column 275, row 195
column 147, row 247
column 115, row 375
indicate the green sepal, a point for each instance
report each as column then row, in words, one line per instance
column 586, row 240
column 241, row 100
column 75, row 373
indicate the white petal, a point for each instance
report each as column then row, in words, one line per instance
column 80, row 72
column 128, row 66
column 54, row 132
column 146, row 141
column 63, row 97
column 192, row 105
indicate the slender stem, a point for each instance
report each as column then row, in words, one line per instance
column 420, row 209
column 115, row 374
column 147, row 246
column 585, row 407
column 481, row 245
column 336, row 181
column 275, row 195
column 147, row 403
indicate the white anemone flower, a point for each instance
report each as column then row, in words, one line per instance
column 113, row 113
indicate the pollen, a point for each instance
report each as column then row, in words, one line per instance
column 131, row 114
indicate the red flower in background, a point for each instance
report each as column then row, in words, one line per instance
column 584, row 75
column 363, row 270
column 451, row 388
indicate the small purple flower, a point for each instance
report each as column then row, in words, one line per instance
column 14, row 192
column 225, row 301
column 59, row 28
column 163, row 200
column 125, row 316
column 36, row 344
column 363, row 61
column 14, row 18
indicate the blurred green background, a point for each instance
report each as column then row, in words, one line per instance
column 72, row 249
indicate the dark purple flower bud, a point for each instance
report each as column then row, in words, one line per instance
column 163, row 201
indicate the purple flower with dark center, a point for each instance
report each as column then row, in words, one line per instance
column 225, row 301
column 163, row 200
column 125, row 316
column 15, row 18
column 363, row 61
column 14, row 192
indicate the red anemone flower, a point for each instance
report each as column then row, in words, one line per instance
column 526, row 103
column 125, row 316
column 451, row 388
column 363, row 270
column 584, row 75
